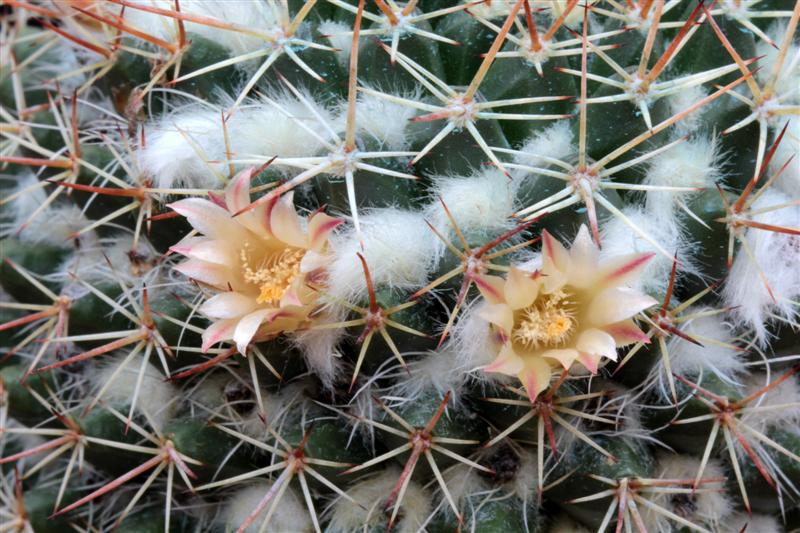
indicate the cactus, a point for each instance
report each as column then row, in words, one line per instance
column 349, row 265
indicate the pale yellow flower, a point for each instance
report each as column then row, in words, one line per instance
column 573, row 309
column 262, row 262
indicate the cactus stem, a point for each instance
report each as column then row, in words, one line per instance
column 726, row 416
column 545, row 409
column 628, row 492
column 474, row 264
column 375, row 318
column 421, row 441
column 295, row 462
column 398, row 21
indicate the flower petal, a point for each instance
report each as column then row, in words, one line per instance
column 219, row 331
column 623, row 269
column 554, row 252
column 507, row 362
column 590, row 361
column 209, row 273
column 584, row 258
column 500, row 315
column 237, row 197
column 565, row 356
column 320, row 227
column 555, row 262
column 228, row 305
column 491, row 287
column 208, row 250
column 597, row 342
column 248, row 327
column 520, row 289
column 535, row 376
column 616, row 304
column 284, row 222
column 209, row 218
column 626, row 332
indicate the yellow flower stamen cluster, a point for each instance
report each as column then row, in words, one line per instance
column 548, row 321
column 275, row 274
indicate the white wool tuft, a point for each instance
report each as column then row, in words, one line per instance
column 789, row 78
column 398, row 248
column 682, row 100
column 554, row 142
column 243, row 13
column 707, row 507
column 785, row 394
column 462, row 482
column 179, row 144
column 55, row 225
column 336, row 32
column 481, row 203
column 688, row 359
column 471, row 341
column 290, row 515
column 320, row 350
column 437, row 371
column 776, row 256
column 619, row 239
column 131, row 265
column 369, row 493
column 692, row 163
column 491, row 10
column 383, row 121
column 156, row 396
column 789, row 148
column 525, row 482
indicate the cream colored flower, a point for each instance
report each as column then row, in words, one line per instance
column 261, row 261
column 573, row 309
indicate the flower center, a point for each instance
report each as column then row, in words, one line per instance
column 274, row 274
column 548, row 321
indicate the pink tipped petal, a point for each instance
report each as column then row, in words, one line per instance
column 237, row 197
column 590, row 361
column 210, row 251
column 584, row 259
column 320, row 227
column 507, row 363
column 285, row 224
column 209, row 219
column 248, row 326
column 491, row 287
column 597, row 342
column 616, row 304
column 215, row 275
column 500, row 315
column 218, row 332
column 521, row 289
column 228, row 305
column 626, row 332
column 624, row 269
column 535, row 377
column 554, row 253
column 237, row 194
column 565, row 356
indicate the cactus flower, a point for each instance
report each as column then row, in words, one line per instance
column 574, row 308
column 262, row 263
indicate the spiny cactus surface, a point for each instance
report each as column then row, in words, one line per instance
column 343, row 266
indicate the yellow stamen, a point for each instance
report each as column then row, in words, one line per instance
column 548, row 321
column 275, row 274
